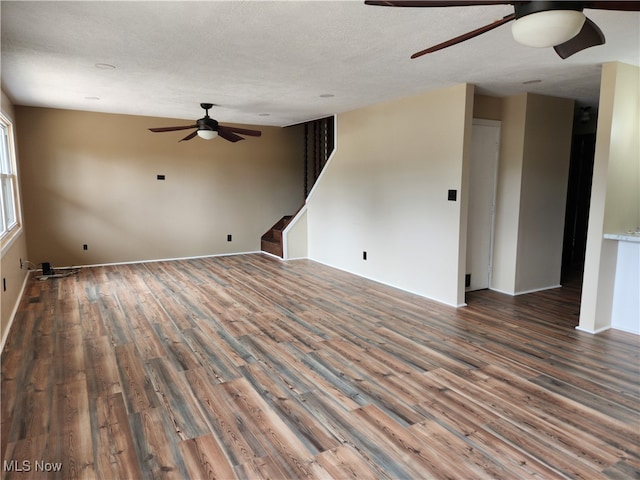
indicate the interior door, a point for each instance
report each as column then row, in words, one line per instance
column 485, row 140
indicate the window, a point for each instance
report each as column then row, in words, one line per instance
column 8, row 180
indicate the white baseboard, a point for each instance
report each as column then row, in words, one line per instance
column 542, row 289
column 592, row 332
column 502, row 291
column 133, row 262
column 627, row 330
column 12, row 317
column 524, row 292
column 271, row 255
column 442, row 302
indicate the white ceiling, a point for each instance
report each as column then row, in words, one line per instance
column 270, row 63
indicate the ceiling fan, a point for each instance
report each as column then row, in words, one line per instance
column 557, row 24
column 208, row 128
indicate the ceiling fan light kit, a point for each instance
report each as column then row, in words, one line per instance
column 207, row 134
column 548, row 28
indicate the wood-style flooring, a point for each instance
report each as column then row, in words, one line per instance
column 249, row 367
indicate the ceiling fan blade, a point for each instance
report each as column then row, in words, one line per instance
column 589, row 36
column 466, row 36
column 453, row 3
column 190, row 136
column 227, row 135
column 613, row 5
column 241, row 131
column 171, row 129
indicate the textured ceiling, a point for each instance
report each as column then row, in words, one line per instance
column 274, row 63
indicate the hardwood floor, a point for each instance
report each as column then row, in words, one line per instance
column 249, row 367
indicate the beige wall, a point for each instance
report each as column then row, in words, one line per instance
column 295, row 237
column 543, row 195
column 385, row 192
column 622, row 121
column 615, row 197
column 487, row 107
column 90, row 178
column 12, row 252
column 507, row 216
column 532, row 187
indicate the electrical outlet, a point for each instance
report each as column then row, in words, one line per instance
column 452, row 195
column 364, row 255
column 160, row 177
column 229, row 238
column 4, row 284
column 21, row 264
column 85, row 247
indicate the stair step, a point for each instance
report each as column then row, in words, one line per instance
column 273, row 235
column 269, row 236
column 282, row 223
column 274, row 248
column 271, row 241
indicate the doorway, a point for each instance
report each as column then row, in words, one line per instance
column 485, row 149
column 578, row 203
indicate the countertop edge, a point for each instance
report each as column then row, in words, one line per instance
column 624, row 237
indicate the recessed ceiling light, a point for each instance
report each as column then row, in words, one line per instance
column 105, row 66
column 529, row 82
column 327, row 95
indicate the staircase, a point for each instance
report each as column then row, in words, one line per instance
column 318, row 144
column 271, row 241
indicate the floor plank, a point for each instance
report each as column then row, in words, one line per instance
column 249, row 367
column 114, row 447
column 205, row 459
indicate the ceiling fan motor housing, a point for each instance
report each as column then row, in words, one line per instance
column 527, row 8
column 207, row 123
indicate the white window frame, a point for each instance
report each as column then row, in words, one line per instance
column 9, row 181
